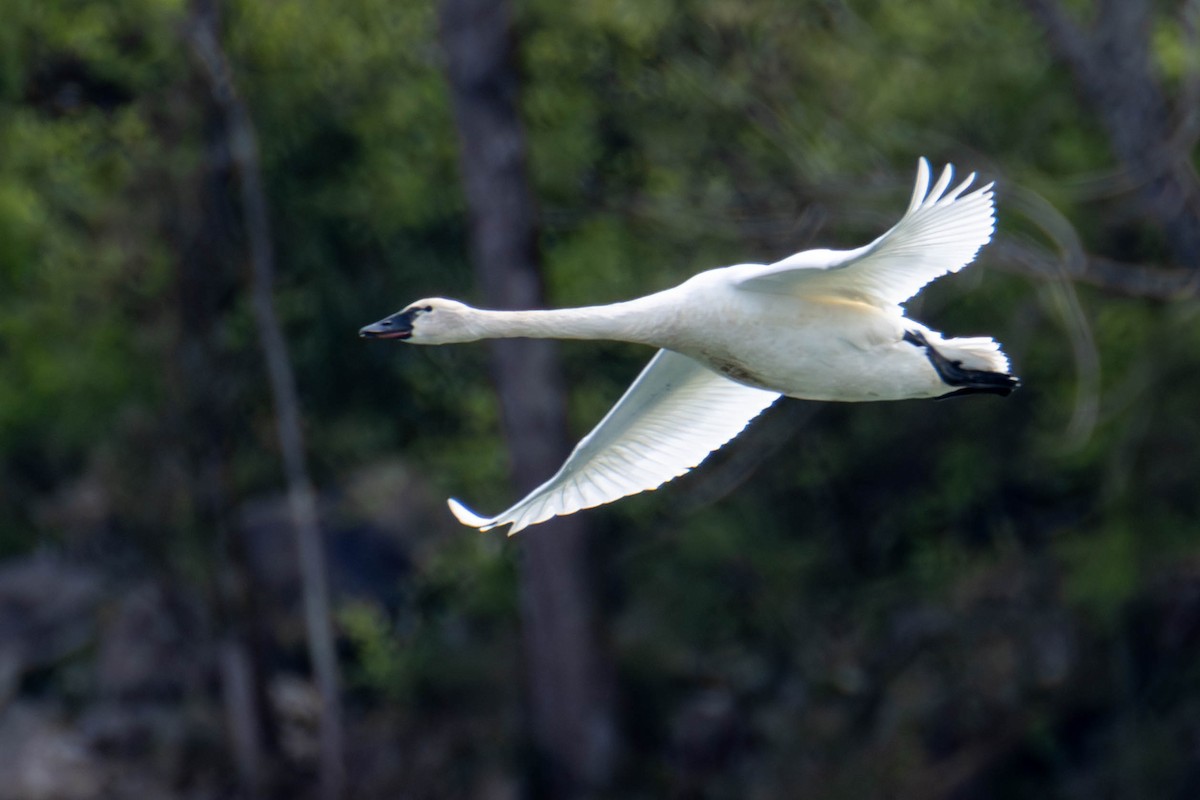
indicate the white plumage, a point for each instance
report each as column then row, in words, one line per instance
column 821, row 324
column 641, row 444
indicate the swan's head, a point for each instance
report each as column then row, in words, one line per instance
column 435, row 320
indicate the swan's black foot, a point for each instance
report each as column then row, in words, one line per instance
column 953, row 373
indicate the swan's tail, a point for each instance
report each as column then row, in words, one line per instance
column 967, row 366
column 979, row 353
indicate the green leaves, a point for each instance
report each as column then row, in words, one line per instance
column 664, row 138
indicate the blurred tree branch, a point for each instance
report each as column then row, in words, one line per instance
column 1111, row 65
column 202, row 36
column 201, row 219
column 568, row 681
column 1135, row 280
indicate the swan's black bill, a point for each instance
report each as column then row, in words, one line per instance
column 397, row 326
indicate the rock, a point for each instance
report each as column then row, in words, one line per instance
column 150, row 648
column 42, row 758
column 47, row 611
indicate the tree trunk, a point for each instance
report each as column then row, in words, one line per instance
column 1112, row 68
column 243, row 152
column 568, row 683
column 199, row 217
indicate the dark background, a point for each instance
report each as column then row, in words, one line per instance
column 982, row 598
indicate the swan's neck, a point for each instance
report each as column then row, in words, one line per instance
column 632, row 321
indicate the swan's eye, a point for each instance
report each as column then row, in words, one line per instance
column 427, row 309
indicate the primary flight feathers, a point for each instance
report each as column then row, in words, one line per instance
column 941, row 232
column 640, row 444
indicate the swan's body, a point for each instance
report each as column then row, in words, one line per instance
column 820, row 325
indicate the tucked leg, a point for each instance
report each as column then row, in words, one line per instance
column 953, row 373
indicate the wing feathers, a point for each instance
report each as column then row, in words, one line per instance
column 675, row 414
column 940, row 186
column 921, row 188
column 941, row 232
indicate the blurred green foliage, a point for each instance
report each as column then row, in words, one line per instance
column 664, row 138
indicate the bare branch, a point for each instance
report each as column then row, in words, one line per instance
column 1134, row 280
column 243, row 150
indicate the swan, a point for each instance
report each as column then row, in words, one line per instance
column 818, row 325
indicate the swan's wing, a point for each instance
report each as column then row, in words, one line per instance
column 941, row 232
column 675, row 414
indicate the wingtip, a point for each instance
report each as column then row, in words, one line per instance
column 921, row 186
column 466, row 516
column 939, row 188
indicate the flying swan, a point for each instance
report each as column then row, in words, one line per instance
column 818, row 325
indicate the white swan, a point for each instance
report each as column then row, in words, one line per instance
column 819, row 325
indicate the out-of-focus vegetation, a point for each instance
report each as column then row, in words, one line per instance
column 977, row 598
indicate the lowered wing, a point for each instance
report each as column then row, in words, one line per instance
column 675, row 414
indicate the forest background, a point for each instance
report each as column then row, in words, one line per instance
column 977, row 598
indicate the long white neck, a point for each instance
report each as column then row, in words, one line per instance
column 643, row 321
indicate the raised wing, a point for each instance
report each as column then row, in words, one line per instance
column 675, row 414
column 941, row 232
